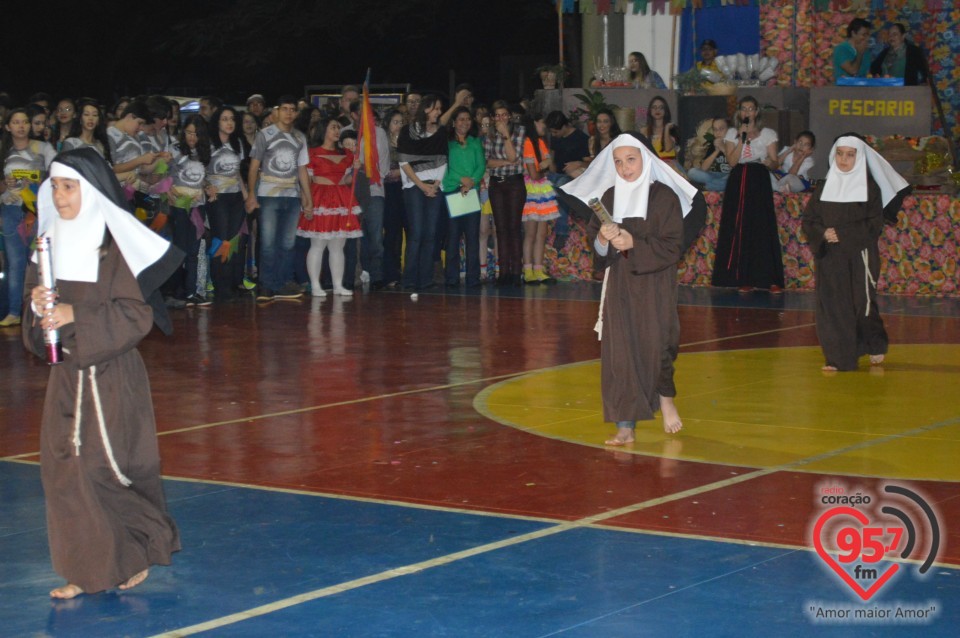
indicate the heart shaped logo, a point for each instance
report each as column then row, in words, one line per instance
column 868, row 574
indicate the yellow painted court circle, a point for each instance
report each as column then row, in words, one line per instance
column 769, row 408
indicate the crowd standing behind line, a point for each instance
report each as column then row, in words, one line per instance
column 232, row 188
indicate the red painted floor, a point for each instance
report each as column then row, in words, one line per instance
column 372, row 397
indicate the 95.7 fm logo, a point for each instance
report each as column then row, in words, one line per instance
column 864, row 539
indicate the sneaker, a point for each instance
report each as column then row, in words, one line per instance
column 249, row 284
column 265, row 295
column 776, row 290
column 174, row 303
column 197, row 300
column 210, row 287
column 364, row 276
column 543, row 277
column 10, row 321
column 289, row 290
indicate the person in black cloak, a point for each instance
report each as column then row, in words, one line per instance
column 107, row 519
column 639, row 250
column 748, row 253
column 843, row 221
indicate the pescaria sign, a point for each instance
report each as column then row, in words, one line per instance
column 865, row 541
column 869, row 110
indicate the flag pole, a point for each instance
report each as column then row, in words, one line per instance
column 561, row 74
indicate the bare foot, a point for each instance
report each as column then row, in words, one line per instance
column 876, row 359
column 135, row 580
column 671, row 418
column 829, row 368
column 66, row 592
column 624, row 437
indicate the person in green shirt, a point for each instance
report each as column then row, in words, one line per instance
column 465, row 166
column 851, row 57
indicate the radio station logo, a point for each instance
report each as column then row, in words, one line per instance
column 866, row 540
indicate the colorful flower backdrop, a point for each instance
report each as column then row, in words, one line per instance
column 802, row 35
column 918, row 255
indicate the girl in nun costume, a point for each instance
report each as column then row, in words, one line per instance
column 639, row 327
column 843, row 221
column 107, row 518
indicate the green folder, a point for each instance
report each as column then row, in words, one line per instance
column 459, row 204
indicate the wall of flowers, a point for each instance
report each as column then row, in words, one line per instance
column 802, row 34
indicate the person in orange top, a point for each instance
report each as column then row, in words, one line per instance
column 541, row 204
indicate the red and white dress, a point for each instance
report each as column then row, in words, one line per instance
column 335, row 207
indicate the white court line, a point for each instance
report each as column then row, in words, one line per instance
column 391, row 395
column 444, row 560
column 414, row 568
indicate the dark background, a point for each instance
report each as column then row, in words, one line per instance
column 233, row 49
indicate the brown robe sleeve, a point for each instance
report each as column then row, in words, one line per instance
column 110, row 316
column 858, row 224
column 593, row 229
column 657, row 240
column 812, row 223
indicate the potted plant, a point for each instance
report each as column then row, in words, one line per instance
column 592, row 102
column 689, row 82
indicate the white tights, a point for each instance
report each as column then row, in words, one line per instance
column 315, row 260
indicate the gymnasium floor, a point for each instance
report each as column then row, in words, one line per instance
column 379, row 466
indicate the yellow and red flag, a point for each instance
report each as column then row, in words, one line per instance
column 368, row 136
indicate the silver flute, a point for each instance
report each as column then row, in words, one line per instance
column 51, row 336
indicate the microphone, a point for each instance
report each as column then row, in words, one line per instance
column 743, row 135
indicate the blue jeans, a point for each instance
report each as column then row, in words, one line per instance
column 423, row 214
column 371, row 244
column 226, row 216
column 15, row 255
column 562, row 225
column 467, row 226
column 712, row 181
column 278, row 232
column 301, row 246
column 183, row 282
column 394, row 221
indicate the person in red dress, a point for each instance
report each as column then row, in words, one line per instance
column 333, row 218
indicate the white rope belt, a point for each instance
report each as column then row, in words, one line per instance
column 868, row 279
column 103, row 426
column 598, row 328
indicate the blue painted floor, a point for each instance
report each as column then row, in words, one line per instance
column 250, row 548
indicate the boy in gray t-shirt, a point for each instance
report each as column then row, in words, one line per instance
column 280, row 186
column 129, row 157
